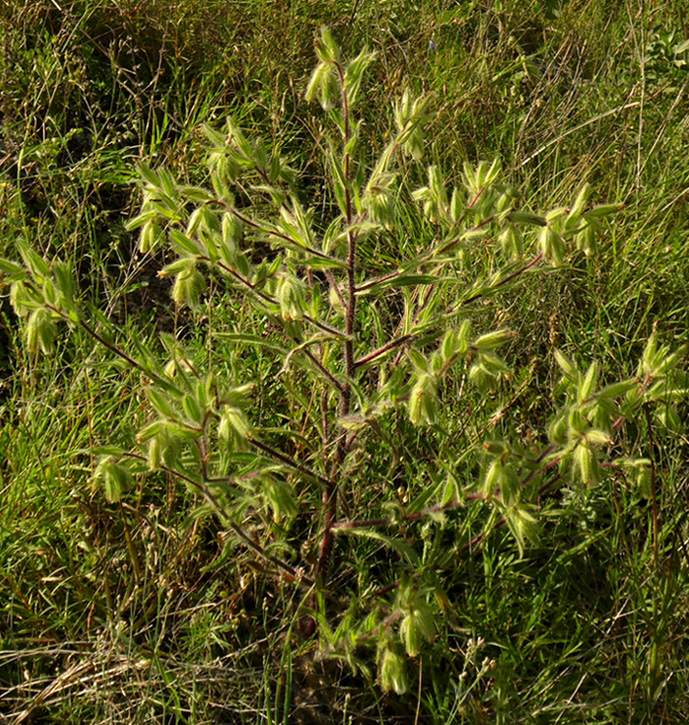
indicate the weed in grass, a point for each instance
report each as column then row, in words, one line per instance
column 569, row 103
column 364, row 347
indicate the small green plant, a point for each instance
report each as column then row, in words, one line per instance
column 373, row 339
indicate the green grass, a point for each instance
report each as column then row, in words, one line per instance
column 145, row 611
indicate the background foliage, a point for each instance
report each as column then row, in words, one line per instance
column 135, row 611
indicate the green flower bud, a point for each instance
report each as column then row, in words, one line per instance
column 557, row 431
column 290, row 297
column 393, row 672
column 586, row 461
column 552, row 246
column 279, row 496
column 232, row 421
column 494, row 477
column 511, row 242
column 115, row 477
column 189, row 284
column 586, row 240
column 149, row 237
column 163, row 448
column 417, row 627
column 335, row 301
column 495, row 448
column 40, row 331
column 643, row 481
column 423, row 400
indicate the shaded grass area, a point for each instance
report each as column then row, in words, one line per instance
column 144, row 612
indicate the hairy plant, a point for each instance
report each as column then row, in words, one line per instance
column 372, row 338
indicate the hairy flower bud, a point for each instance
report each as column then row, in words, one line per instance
column 393, row 672
column 290, row 297
column 423, row 400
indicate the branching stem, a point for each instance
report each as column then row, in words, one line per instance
column 205, row 491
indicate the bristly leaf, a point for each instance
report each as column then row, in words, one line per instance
column 13, row 271
column 566, row 365
column 354, row 74
column 588, row 383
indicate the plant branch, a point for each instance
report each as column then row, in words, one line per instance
column 270, row 300
column 382, row 350
column 344, row 526
column 284, row 458
column 654, row 490
column 296, row 574
column 112, row 348
column 276, row 233
column 329, row 494
column 325, row 372
column 336, row 287
column 501, row 283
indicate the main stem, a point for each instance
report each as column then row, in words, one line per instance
column 329, row 496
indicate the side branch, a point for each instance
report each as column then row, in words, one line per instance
column 296, row 574
column 344, row 526
column 382, row 350
column 270, row 300
column 283, row 458
column 501, row 283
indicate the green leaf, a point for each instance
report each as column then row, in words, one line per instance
column 184, row 244
column 397, row 544
column 603, row 210
column 491, row 340
column 580, row 202
column 36, row 264
column 418, row 360
column 597, row 437
column 616, row 389
column 252, row 340
column 566, row 365
column 150, row 431
column 16, row 271
column 523, row 525
column 193, row 410
column 161, row 403
column 354, row 73
column 148, row 175
column 588, row 384
column 339, row 179
column 404, row 280
column 524, row 217
column 669, row 418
